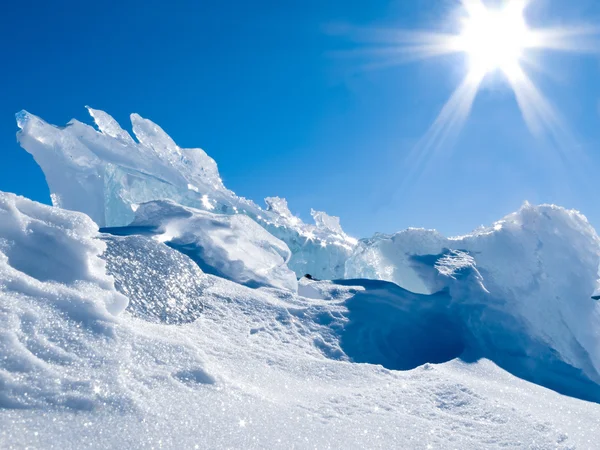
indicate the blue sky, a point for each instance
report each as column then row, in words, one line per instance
column 262, row 88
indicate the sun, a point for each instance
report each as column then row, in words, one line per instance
column 494, row 39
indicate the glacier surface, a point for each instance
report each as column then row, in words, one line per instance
column 257, row 368
column 159, row 309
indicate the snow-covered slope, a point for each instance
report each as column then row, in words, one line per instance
column 105, row 173
column 181, row 322
column 257, row 368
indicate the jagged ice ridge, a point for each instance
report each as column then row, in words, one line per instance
column 177, row 319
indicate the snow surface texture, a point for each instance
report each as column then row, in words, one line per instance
column 182, row 323
column 233, row 247
column 258, row 368
column 50, row 273
column 163, row 285
column 105, row 173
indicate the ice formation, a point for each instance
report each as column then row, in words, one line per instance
column 257, row 368
column 163, row 285
column 538, row 264
column 230, row 246
column 181, row 322
column 105, row 173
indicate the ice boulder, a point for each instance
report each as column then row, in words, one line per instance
column 163, row 285
column 106, row 173
column 537, row 267
column 230, row 246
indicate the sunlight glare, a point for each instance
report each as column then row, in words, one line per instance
column 494, row 39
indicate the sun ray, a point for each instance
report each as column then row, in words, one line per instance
column 446, row 127
column 493, row 40
column 581, row 39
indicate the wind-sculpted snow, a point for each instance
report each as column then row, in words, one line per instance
column 63, row 342
column 535, row 272
column 51, row 252
column 229, row 246
column 257, row 368
column 50, row 274
column 105, row 173
column 401, row 330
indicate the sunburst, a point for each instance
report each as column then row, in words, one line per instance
column 494, row 40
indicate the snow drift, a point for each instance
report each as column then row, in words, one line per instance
column 62, row 340
column 181, row 322
column 536, row 267
column 230, row 246
column 257, row 368
column 50, row 274
column 51, row 252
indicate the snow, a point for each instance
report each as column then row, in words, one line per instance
column 535, row 270
column 257, row 368
column 51, row 252
column 231, row 246
column 163, row 285
column 105, row 173
column 181, row 322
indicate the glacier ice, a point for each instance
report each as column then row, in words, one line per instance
column 152, row 331
column 257, row 368
column 537, row 270
column 231, row 246
column 105, row 173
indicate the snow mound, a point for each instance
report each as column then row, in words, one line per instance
column 258, row 367
column 64, row 338
column 230, row 246
column 400, row 330
column 50, row 274
column 531, row 275
column 105, row 173
column 53, row 253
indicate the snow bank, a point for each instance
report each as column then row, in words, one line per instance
column 50, row 275
column 257, row 367
column 230, row 246
column 105, row 173
column 54, row 254
column 65, row 342
column 534, row 272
